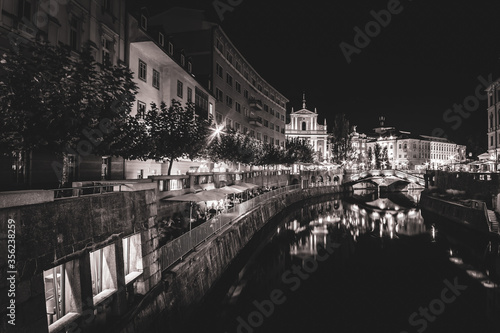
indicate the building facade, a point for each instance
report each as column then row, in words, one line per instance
column 245, row 102
column 304, row 125
column 162, row 73
column 102, row 25
column 493, row 128
column 408, row 151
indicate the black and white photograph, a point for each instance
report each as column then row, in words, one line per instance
column 237, row 166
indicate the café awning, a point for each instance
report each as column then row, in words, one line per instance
column 200, row 196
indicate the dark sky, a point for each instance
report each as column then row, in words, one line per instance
column 427, row 59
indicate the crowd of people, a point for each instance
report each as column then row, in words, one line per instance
column 179, row 223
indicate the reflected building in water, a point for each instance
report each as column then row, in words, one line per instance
column 381, row 217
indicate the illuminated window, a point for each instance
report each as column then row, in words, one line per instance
column 132, row 257
column 103, row 271
column 60, row 285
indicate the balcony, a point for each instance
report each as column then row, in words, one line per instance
column 255, row 121
column 255, row 104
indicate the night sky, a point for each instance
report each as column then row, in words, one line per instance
column 427, row 59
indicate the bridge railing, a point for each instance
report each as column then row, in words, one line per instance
column 384, row 173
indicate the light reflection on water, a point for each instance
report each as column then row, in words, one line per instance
column 381, row 217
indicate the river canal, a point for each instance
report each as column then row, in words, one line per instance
column 363, row 263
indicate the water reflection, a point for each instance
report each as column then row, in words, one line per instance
column 383, row 248
column 365, row 213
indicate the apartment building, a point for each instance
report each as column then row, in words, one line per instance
column 245, row 101
column 163, row 72
column 72, row 23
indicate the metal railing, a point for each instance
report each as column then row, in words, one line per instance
column 75, row 192
column 176, row 249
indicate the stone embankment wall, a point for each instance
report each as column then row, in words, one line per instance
column 65, row 231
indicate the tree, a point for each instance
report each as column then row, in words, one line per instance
column 51, row 101
column 170, row 133
column 271, row 155
column 298, row 151
column 378, row 156
column 342, row 149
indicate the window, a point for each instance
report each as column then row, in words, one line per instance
column 271, row 141
column 219, row 45
column 271, row 126
column 74, row 42
column 211, row 110
column 141, row 109
column 238, row 107
column 106, row 6
column 277, row 142
column 277, row 115
column 189, row 95
column 246, row 75
column 266, row 123
column 229, row 101
column 266, row 108
column 183, row 60
column 219, row 95
column 228, row 123
column 245, row 93
column 156, row 79
column 180, row 89
column 190, row 66
column 237, row 126
column 259, row 136
column 277, row 128
column 245, row 129
column 161, row 39
column 252, row 133
column 59, row 283
column 142, row 70
column 132, row 257
column 106, row 50
column 103, row 270
column 304, row 125
column 229, row 57
column 170, row 48
column 201, row 101
column 25, row 10
column 144, row 22
column 246, row 112
column 238, row 86
column 271, row 111
column 218, row 118
column 259, row 87
column 218, row 69
column 229, row 79
column 282, row 118
column 266, row 138
column 238, row 66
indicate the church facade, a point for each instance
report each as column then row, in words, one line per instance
column 304, row 125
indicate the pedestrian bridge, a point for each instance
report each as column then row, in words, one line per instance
column 394, row 179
